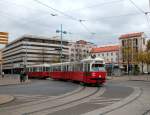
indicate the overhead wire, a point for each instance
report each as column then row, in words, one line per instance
column 81, row 21
column 98, row 4
column 143, row 12
column 117, row 16
column 137, row 7
column 71, row 17
column 48, row 6
column 148, row 20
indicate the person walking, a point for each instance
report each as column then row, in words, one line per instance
column 21, row 76
column 24, row 76
column 3, row 74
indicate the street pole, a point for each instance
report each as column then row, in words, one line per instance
column 61, row 42
column 61, row 32
column 128, row 57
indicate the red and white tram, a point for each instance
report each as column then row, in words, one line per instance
column 91, row 71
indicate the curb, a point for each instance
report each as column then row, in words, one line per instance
column 6, row 99
column 16, row 83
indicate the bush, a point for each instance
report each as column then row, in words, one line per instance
column 136, row 70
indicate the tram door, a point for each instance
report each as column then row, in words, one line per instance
column 86, row 70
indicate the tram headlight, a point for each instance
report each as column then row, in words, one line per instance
column 99, row 76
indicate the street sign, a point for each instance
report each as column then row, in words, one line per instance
column 3, row 38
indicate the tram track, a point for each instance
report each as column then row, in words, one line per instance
column 53, row 103
column 138, row 92
column 40, row 101
column 122, row 105
column 67, row 103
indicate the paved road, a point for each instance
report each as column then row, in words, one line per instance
column 39, row 87
column 113, row 92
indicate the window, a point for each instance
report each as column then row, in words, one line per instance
column 143, row 41
column 123, row 42
column 111, row 53
column 98, row 67
column 136, row 42
column 111, row 59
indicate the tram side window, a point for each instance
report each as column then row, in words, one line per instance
column 79, row 67
column 44, row 68
column 64, row 68
column 47, row 68
column 31, row 70
column 34, row 69
column 56, row 68
column 70, row 67
column 40, row 69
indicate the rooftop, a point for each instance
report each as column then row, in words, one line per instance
column 105, row 49
column 130, row 35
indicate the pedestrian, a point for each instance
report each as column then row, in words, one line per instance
column 3, row 74
column 21, row 76
column 24, row 76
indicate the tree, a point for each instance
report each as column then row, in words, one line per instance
column 127, row 56
column 147, row 60
column 148, row 46
column 147, row 56
column 141, row 58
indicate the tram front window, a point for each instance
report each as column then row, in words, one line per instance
column 98, row 67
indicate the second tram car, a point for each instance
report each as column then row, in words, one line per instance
column 89, row 71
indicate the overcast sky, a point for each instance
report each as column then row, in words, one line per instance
column 103, row 20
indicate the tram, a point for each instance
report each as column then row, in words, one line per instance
column 87, row 71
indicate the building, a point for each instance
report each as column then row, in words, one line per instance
column 4, row 38
column 79, row 50
column 30, row 49
column 1, row 61
column 110, row 54
column 131, row 44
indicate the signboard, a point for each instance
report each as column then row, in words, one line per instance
column 3, row 38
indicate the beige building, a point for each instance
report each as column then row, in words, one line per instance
column 131, row 44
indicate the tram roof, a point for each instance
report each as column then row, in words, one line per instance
column 93, row 59
column 39, row 65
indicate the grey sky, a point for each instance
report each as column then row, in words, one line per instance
column 19, row 17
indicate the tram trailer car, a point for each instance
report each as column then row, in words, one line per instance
column 38, row 71
column 89, row 71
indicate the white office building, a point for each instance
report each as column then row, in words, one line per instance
column 31, row 49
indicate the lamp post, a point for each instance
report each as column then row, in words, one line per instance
column 61, row 32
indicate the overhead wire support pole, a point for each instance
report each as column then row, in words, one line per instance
column 61, row 43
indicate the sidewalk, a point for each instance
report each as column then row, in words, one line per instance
column 9, row 80
column 6, row 98
column 130, row 78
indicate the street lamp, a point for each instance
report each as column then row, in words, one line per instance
column 61, row 32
